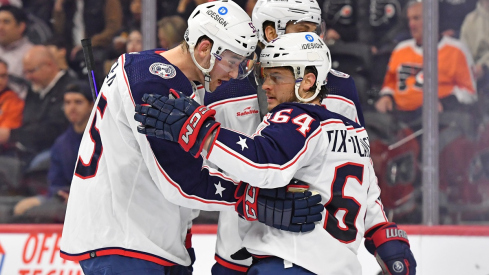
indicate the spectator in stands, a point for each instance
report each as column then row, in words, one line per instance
column 11, row 105
column 14, row 44
column 57, row 47
column 403, row 83
column 94, row 19
column 77, row 105
column 170, row 31
column 43, row 119
column 451, row 15
column 345, row 20
column 475, row 34
column 134, row 41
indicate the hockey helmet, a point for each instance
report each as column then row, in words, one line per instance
column 298, row 51
column 229, row 27
column 283, row 11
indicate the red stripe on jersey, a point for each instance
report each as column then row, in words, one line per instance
column 117, row 251
column 220, row 175
column 294, row 160
column 233, row 266
column 331, row 122
column 125, row 79
column 176, row 185
column 341, row 98
column 231, row 100
column 361, row 130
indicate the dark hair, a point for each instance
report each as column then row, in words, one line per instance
column 185, row 44
column 4, row 62
column 80, row 87
column 19, row 15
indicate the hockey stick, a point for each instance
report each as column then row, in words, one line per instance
column 88, row 54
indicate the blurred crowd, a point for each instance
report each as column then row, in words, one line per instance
column 45, row 99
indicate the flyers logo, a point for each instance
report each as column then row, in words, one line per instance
column 404, row 75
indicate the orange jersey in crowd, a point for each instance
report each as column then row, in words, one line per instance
column 404, row 77
column 11, row 107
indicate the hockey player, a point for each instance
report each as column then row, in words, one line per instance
column 238, row 106
column 123, row 211
column 298, row 139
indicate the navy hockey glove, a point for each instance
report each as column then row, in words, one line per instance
column 290, row 208
column 178, row 119
column 390, row 246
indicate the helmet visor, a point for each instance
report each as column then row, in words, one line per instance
column 274, row 75
column 236, row 65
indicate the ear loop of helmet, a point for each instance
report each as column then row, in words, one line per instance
column 206, row 72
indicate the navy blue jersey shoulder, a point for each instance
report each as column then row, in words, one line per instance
column 345, row 86
column 185, row 170
column 149, row 72
column 231, row 89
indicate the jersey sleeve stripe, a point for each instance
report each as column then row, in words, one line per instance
column 341, row 98
column 217, row 174
column 248, row 162
column 125, row 79
column 177, row 186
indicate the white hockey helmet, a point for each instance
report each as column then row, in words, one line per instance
column 298, row 51
column 229, row 27
column 281, row 12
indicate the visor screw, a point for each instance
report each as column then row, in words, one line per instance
column 219, row 48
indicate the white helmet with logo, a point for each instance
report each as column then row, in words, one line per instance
column 229, row 27
column 281, row 12
column 298, row 51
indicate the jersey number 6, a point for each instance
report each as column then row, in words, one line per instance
column 345, row 232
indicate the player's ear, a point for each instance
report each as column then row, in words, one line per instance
column 204, row 48
column 308, row 81
column 270, row 33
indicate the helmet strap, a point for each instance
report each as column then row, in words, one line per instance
column 309, row 99
column 206, row 72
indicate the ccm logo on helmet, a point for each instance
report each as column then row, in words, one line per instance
column 218, row 18
column 193, row 122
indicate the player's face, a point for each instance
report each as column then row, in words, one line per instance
column 296, row 27
column 278, row 84
column 77, row 108
column 3, row 76
column 415, row 19
column 134, row 42
column 229, row 65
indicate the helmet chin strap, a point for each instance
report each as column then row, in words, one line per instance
column 206, row 72
column 305, row 100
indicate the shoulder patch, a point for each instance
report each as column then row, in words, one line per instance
column 163, row 70
column 339, row 74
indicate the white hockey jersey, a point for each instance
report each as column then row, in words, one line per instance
column 237, row 108
column 128, row 189
column 314, row 145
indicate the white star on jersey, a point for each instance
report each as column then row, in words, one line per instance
column 242, row 142
column 219, row 189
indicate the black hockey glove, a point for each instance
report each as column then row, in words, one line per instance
column 290, row 208
column 390, row 246
column 178, row 119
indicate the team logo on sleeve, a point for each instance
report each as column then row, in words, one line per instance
column 162, row 70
